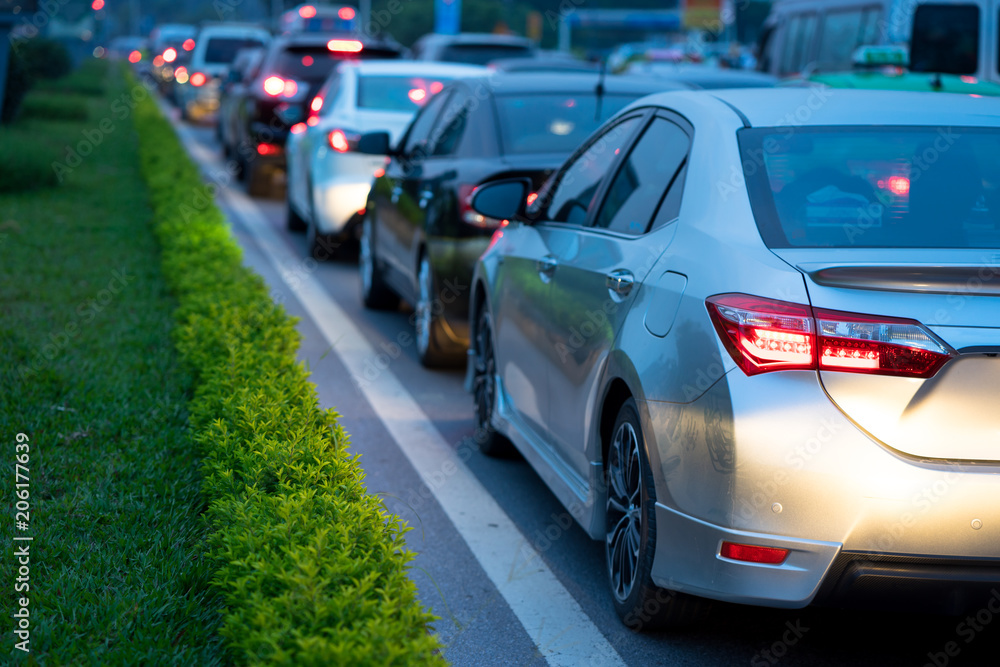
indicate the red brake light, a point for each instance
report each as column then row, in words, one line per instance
column 198, row 79
column 268, row 149
column 97, row 5
column 345, row 45
column 188, row 44
column 532, row 196
column 170, row 55
column 379, row 173
column 346, row 13
column 338, row 141
column 274, row 85
column 752, row 554
column 158, row 61
column 307, row 12
column 134, row 57
column 765, row 335
column 436, row 87
column 899, row 185
column 417, row 95
column 316, row 104
column 298, row 128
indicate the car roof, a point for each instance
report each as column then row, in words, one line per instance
column 476, row 38
column 321, row 39
column 520, row 83
column 414, row 68
column 821, row 105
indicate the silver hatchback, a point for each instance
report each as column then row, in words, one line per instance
column 750, row 340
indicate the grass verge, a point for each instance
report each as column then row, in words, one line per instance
column 313, row 569
column 89, row 373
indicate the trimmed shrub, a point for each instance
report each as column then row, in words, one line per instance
column 24, row 165
column 46, row 58
column 312, row 567
column 19, row 81
column 54, row 107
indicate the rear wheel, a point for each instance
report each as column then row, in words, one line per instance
column 484, row 385
column 293, row 221
column 630, row 540
column 258, row 184
column 427, row 318
column 375, row 294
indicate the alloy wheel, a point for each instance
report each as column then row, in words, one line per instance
column 625, row 512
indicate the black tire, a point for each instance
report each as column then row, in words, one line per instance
column 630, row 538
column 293, row 221
column 488, row 441
column 427, row 319
column 321, row 247
column 375, row 294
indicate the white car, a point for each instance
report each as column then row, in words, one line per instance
column 328, row 180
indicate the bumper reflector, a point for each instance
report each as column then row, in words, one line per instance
column 752, row 554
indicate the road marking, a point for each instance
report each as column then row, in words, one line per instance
column 558, row 626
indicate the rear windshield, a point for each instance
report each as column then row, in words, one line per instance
column 314, row 63
column 887, row 187
column 397, row 93
column 223, row 49
column 553, row 123
column 480, row 54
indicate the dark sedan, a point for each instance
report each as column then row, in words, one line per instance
column 291, row 74
column 420, row 236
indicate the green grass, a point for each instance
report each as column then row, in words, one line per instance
column 89, row 372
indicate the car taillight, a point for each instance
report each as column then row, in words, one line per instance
column 275, row 86
column 764, row 335
column 878, row 345
column 467, row 214
column 265, row 148
column 343, row 141
column 198, row 79
column 345, row 46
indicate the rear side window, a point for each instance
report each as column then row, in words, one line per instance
column 884, row 187
column 224, row 49
column 644, row 178
column 840, row 35
column 397, row 93
column 314, row 63
column 945, row 39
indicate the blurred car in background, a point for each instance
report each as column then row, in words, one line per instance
column 702, row 76
column 215, row 48
column 747, row 357
column 169, row 46
column 543, row 63
column 885, row 68
column 317, row 17
column 292, row 72
column 328, row 179
column 420, row 236
column 473, row 48
column 240, row 74
column 120, row 48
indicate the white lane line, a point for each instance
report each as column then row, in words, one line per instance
column 562, row 632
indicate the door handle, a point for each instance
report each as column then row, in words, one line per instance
column 396, row 191
column 546, row 267
column 620, row 282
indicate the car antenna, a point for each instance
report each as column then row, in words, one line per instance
column 599, row 88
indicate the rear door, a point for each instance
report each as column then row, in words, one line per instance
column 599, row 269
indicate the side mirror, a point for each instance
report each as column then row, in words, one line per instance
column 501, row 200
column 374, row 143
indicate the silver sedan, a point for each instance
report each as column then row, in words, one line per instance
column 751, row 340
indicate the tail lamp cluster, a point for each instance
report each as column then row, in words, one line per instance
column 764, row 335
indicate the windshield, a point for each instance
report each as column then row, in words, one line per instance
column 314, row 63
column 881, row 187
column 553, row 123
column 224, row 49
column 397, row 93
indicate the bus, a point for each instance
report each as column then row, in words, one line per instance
column 804, row 37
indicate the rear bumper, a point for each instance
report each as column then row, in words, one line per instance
column 341, row 183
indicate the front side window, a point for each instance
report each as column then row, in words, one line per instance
column 838, row 39
column 420, row 131
column 792, row 37
column 884, row 187
column 644, row 178
column 576, row 191
column 550, row 123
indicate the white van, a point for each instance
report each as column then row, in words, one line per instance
column 802, row 37
column 216, row 46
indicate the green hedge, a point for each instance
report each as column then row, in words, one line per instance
column 313, row 569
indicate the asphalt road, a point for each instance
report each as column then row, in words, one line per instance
column 478, row 625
